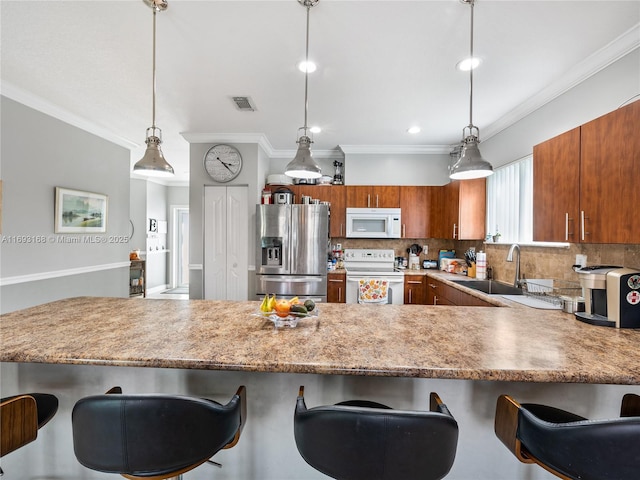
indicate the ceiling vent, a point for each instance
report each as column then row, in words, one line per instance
column 244, row 104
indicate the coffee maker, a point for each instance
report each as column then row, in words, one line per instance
column 612, row 296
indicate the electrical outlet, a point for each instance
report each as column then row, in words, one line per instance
column 581, row 260
column 425, row 249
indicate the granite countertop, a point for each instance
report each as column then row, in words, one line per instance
column 474, row 343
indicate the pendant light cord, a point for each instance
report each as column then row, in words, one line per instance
column 471, row 2
column 153, row 120
column 306, row 73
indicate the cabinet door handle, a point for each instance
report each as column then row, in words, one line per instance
column 566, row 226
column 409, row 295
column 415, row 282
column 404, row 230
column 368, row 200
column 377, row 203
column 336, row 280
column 435, row 300
column 455, row 228
column 341, row 229
column 432, row 285
column 339, row 294
column 583, row 223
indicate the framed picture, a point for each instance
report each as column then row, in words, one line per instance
column 80, row 212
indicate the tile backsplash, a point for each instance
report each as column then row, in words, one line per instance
column 535, row 262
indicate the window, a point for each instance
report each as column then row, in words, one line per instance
column 510, row 202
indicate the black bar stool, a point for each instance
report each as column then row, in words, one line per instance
column 364, row 440
column 570, row 446
column 20, row 418
column 153, row 436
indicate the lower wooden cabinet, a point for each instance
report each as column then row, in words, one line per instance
column 415, row 289
column 336, row 287
column 439, row 293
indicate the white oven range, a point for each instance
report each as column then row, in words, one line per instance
column 376, row 264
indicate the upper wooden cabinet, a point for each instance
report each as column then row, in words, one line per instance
column 609, row 177
column 336, row 195
column 459, row 210
column 415, row 202
column 585, row 181
column 373, row 196
column 556, row 188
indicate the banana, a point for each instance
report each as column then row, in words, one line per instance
column 294, row 301
column 272, row 303
column 264, row 306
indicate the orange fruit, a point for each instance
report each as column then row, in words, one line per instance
column 283, row 307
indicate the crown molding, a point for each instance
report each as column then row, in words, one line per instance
column 396, row 149
column 259, row 138
column 599, row 60
column 13, row 92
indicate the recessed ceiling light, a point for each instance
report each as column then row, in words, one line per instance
column 315, row 129
column 413, row 129
column 468, row 64
column 309, row 66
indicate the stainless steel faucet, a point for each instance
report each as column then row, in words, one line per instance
column 515, row 248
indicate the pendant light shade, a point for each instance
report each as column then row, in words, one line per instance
column 470, row 165
column 303, row 165
column 153, row 163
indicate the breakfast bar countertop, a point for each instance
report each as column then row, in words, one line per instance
column 467, row 343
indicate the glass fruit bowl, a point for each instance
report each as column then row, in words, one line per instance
column 290, row 320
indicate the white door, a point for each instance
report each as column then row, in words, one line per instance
column 226, row 243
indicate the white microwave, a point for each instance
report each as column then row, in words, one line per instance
column 373, row 222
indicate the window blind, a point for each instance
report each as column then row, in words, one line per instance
column 510, row 202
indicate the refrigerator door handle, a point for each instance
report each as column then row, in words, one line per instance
column 290, row 279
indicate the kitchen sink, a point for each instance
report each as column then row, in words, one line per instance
column 490, row 287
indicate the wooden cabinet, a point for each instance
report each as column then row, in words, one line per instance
column 556, row 188
column 373, row 196
column 585, row 181
column 336, row 195
column 415, row 202
column 609, row 177
column 415, row 289
column 459, row 210
column 336, row 287
column 439, row 293
column 138, row 278
column 436, row 291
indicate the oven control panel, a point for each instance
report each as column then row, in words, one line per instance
column 369, row 255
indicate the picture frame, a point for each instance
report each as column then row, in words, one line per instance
column 77, row 211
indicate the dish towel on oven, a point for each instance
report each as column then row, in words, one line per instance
column 373, row 290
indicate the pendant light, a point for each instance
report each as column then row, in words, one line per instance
column 302, row 165
column 470, row 164
column 153, row 164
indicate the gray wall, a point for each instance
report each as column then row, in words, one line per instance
column 40, row 153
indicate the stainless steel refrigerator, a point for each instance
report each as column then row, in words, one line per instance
column 292, row 245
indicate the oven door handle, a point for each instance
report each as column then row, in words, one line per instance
column 388, row 279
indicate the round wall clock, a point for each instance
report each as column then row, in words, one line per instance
column 223, row 163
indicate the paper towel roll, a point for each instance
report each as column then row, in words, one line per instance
column 481, row 266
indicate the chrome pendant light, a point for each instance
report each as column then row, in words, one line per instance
column 302, row 165
column 470, row 164
column 153, row 164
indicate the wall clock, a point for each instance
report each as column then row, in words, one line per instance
column 223, row 163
